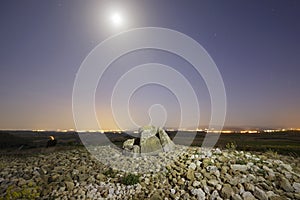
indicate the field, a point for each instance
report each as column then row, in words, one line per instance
column 287, row 143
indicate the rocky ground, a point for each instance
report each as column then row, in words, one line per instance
column 185, row 173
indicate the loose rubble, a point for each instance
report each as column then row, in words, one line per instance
column 183, row 173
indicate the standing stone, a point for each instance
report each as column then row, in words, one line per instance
column 165, row 140
column 147, row 131
column 136, row 150
column 150, row 145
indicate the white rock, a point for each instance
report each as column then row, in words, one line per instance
column 218, row 186
column 211, row 168
column 248, row 196
column 147, row 181
column 296, row 186
column 196, row 183
column 111, row 191
column 199, row 193
column 270, row 194
column 198, row 163
column 287, row 167
column 237, row 167
column 260, row 194
column 218, row 151
column 214, row 195
column 173, row 191
column 192, row 166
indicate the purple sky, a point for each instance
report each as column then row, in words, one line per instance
column 255, row 44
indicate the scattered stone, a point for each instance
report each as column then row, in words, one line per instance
column 156, row 196
column 260, row 194
column 248, row 196
column 173, row 191
column 69, row 185
column 100, row 177
column 285, row 184
column 236, row 197
column 242, row 168
column 193, row 166
column 196, row 183
column 199, row 193
column 190, row 174
column 183, row 173
column 226, row 191
column 296, row 186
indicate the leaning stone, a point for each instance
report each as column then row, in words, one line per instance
column 165, row 140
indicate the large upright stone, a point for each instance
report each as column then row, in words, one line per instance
column 147, row 132
column 149, row 143
column 166, row 142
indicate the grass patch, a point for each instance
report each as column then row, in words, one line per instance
column 130, row 179
column 110, row 173
column 25, row 192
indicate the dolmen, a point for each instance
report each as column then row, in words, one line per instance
column 151, row 141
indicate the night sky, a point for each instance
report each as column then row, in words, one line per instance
column 255, row 44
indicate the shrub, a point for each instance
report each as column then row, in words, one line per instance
column 241, row 162
column 130, row 179
column 231, row 146
column 272, row 153
column 13, row 192
column 110, row 172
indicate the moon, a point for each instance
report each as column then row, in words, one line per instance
column 116, row 19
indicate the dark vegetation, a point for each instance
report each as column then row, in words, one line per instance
column 286, row 143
